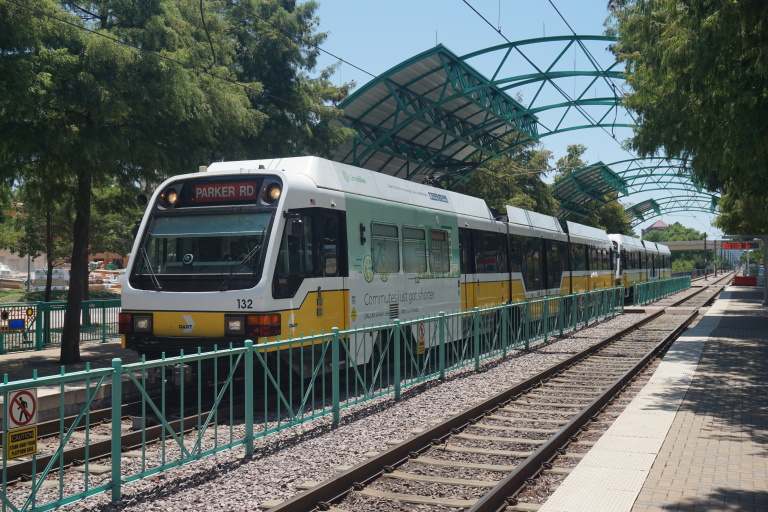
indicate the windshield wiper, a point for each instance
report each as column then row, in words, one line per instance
column 240, row 263
column 147, row 263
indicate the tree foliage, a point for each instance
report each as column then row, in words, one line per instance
column 699, row 76
column 96, row 94
column 675, row 232
column 515, row 180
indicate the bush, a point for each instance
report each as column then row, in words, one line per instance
column 22, row 296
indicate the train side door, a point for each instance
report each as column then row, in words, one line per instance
column 469, row 279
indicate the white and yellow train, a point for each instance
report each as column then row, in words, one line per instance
column 267, row 248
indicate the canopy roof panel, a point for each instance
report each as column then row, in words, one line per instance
column 587, row 185
column 430, row 113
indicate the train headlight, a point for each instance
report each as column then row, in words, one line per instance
column 168, row 197
column 142, row 323
column 271, row 193
column 234, row 325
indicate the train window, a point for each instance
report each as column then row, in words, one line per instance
column 578, row 257
column 313, row 245
column 331, row 256
column 532, row 264
column 295, row 259
column 516, row 252
column 489, row 252
column 414, row 250
column 555, row 255
column 385, row 248
column 439, row 251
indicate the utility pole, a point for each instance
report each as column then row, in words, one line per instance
column 705, row 256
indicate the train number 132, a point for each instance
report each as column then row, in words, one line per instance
column 244, row 304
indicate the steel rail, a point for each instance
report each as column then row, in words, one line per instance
column 498, row 498
column 338, row 486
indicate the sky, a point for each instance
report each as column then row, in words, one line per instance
column 372, row 36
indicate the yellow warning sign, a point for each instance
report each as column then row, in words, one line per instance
column 21, row 442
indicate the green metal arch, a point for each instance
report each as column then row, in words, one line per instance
column 638, row 176
column 412, row 120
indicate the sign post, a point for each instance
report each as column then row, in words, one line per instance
column 21, row 424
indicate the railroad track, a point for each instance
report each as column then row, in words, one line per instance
column 94, row 442
column 517, row 445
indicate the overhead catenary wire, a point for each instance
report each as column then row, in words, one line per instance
column 545, row 74
column 592, row 58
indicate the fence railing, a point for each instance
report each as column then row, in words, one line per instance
column 646, row 292
column 98, row 322
column 200, row 404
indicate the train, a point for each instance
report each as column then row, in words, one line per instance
column 267, row 249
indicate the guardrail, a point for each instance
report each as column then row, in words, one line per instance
column 232, row 397
column 646, row 292
column 98, row 322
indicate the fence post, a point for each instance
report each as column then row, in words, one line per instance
column 527, row 326
column 117, row 409
column 441, row 348
column 504, row 328
column 103, row 322
column 335, row 377
column 38, row 327
column 545, row 317
column 398, row 359
column 248, row 398
column 476, row 338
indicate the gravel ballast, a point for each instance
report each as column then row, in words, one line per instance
column 312, row 451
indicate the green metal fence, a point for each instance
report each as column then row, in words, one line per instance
column 646, row 292
column 204, row 403
column 98, row 322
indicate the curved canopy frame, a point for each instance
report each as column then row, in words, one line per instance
column 434, row 118
column 583, row 192
column 651, row 208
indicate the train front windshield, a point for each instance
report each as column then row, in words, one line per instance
column 202, row 252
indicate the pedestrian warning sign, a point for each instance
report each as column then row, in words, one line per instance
column 22, row 408
column 21, row 442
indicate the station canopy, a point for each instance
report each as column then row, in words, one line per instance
column 434, row 119
column 431, row 113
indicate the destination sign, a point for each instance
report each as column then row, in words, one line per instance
column 741, row 245
column 218, row 192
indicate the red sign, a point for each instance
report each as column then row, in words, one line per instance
column 22, row 408
column 741, row 245
column 217, row 192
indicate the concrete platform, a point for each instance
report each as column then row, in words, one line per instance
column 696, row 437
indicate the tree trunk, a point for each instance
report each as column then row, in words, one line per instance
column 70, row 336
column 49, row 252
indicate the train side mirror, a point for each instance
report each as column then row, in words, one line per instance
column 142, row 199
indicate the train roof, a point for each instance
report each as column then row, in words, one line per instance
column 663, row 249
column 524, row 222
column 582, row 234
column 657, row 247
column 650, row 246
column 628, row 242
column 355, row 180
